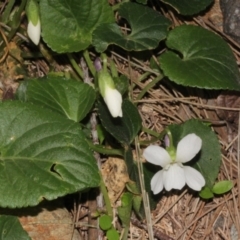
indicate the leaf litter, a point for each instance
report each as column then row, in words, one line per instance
column 179, row 215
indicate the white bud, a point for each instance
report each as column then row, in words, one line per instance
column 34, row 32
column 113, row 99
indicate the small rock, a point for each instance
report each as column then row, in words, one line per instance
column 231, row 18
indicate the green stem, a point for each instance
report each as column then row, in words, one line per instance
column 106, row 197
column 151, row 132
column 89, row 62
column 144, row 76
column 125, row 233
column 146, row 143
column 46, row 52
column 113, row 68
column 157, row 136
column 16, row 20
column 140, row 79
column 75, row 65
column 7, row 11
column 149, row 86
column 103, row 150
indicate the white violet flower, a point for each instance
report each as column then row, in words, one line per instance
column 174, row 174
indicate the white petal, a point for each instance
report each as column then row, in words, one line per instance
column 34, row 32
column 113, row 99
column 194, row 179
column 157, row 155
column 157, row 182
column 188, row 148
column 174, row 177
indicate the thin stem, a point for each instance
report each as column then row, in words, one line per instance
column 106, row 197
column 103, row 150
column 144, row 76
column 151, row 132
column 89, row 62
column 146, row 143
column 45, row 51
column 113, row 68
column 125, row 233
column 75, row 65
column 149, row 86
column 7, row 11
column 15, row 23
column 141, row 78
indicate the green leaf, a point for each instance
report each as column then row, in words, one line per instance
column 206, row 193
column 101, row 133
column 125, row 210
column 131, row 166
column 137, row 204
column 11, row 229
column 67, row 26
column 149, row 171
column 186, row 7
column 199, row 58
column 154, row 65
column 121, row 84
column 133, row 187
column 43, row 156
column 222, row 187
column 105, row 222
column 209, row 159
column 148, row 28
column 70, row 98
column 124, row 129
column 142, row 1
column 112, row 234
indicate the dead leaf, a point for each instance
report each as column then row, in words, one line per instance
column 115, row 176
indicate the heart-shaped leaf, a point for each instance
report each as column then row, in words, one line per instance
column 10, row 229
column 148, row 28
column 67, row 26
column 188, row 7
column 70, row 98
column 200, row 59
column 209, row 159
column 43, row 156
column 124, row 129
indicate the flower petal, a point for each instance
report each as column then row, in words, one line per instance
column 188, row 148
column 157, row 182
column 174, row 177
column 34, row 32
column 113, row 99
column 157, row 155
column 194, row 178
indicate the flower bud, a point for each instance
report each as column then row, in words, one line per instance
column 34, row 25
column 110, row 94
